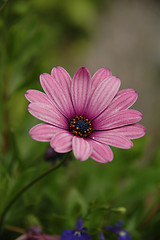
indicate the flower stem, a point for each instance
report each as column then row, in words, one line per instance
column 19, row 194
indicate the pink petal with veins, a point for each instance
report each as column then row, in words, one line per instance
column 62, row 142
column 80, row 89
column 82, row 149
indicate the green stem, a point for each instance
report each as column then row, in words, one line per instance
column 27, row 187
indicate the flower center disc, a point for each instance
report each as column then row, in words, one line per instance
column 80, row 126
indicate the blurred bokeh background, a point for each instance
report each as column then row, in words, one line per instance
column 35, row 36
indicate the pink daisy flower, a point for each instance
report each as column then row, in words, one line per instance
column 84, row 114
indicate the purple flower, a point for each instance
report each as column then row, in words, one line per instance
column 79, row 233
column 84, row 114
column 118, row 229
column 51, row 155
column 101, row 236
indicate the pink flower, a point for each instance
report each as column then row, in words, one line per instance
column 84, row 114
column 35, row 233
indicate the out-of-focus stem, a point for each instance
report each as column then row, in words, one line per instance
column 5, row 112
column 14, row 229
column 3, row 5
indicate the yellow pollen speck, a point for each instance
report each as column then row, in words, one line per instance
column 61, row 118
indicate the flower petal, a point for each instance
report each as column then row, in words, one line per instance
column 62, row 142
column 43, row 132
column 132, row 131
column 79, row 224
column 123, row 100
column 48, row 114
column 82, row 149
column 120, row 118
column 60, row 96
column 80, row 89
column 101, row 152
column 100, row 75
column 62, row 76
column 37, row 96
column 112, row 139
column 102, row 96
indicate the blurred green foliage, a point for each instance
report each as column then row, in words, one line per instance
column 34, row 37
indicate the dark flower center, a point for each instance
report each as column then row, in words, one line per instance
column 80, row 126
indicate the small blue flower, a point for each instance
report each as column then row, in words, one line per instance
column 79, row 233
column 118, row 229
